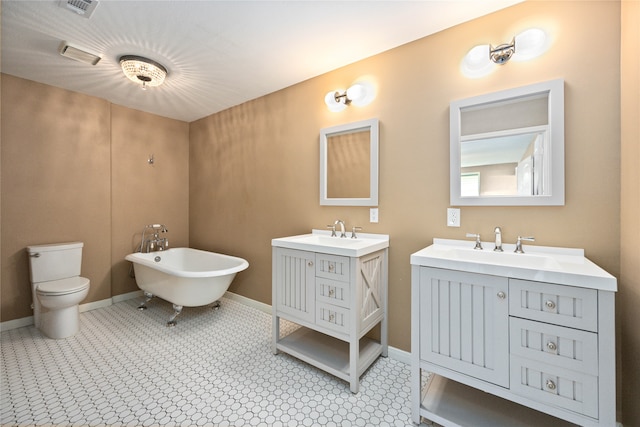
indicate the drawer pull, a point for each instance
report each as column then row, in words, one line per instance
column 310, row 263
column 551, row 385
column 332, row 318
column 552, row 346
column 332, row 267
column 550, row 304
column 502, row 295
column 332, row 292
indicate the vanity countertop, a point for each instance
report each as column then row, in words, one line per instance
column 322, row 241
column 539, row 263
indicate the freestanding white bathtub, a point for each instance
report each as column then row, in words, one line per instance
column 184, row 276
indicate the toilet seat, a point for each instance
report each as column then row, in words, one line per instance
column 63, row 286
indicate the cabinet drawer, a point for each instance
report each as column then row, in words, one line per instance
column 558, row 304
column 556, row 345
column 332, row 292
column 332, row 267
column 575, row 391
column 332, row 317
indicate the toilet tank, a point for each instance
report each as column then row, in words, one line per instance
column 54, row 261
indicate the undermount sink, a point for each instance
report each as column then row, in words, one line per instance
column 545, row 264
column 322, row 241
column 527, row 260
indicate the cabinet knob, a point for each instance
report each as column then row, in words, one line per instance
column 550, row 304
column 332, row 267
column 332, row 292
column 310, row 263
column 552, row 346
column 551, row 385
column 502, row 295
column 332, row 317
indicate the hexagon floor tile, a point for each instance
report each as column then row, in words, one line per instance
column 215, row 368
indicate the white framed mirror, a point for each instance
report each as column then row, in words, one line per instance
column 507, row 147
column 349, row 164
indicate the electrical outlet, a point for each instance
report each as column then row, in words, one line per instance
column 373, row 215
column 453, row 217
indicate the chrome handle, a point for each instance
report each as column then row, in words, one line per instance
column 551, row 385
column 35, row 255
column 550, row 304
column 552, row 346
column 502, row 295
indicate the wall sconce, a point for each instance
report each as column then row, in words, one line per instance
column 481, row 60
column 360, row 94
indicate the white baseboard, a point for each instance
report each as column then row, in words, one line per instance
column 394, row 353
column 28, row 321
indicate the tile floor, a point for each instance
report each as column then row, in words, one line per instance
column 126, row 368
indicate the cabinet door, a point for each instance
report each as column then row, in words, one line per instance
column 295, row 277
column 464, row 323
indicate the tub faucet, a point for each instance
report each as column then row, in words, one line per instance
column 156, row 242
column 498, row 232
column 341, row 224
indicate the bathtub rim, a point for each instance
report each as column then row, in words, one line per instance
column 146, row 259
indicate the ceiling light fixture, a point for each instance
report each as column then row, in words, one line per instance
column 480, row 60
column 143, row 71
column 360, row 94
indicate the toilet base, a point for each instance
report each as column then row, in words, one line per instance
column 60, row 323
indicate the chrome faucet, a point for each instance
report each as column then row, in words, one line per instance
column 519, row 243
column 156, row 243
column 477, row 237
column 341, row 224
column 498, row 232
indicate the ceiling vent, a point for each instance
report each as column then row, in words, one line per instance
column 84, row 8
column 79, row 55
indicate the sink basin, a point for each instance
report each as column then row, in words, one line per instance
column 540, row 262
column 322, row 241
column 544, row 264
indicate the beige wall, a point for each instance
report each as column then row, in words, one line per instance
column 254, row 168
column 74, row 167
column 629, row 296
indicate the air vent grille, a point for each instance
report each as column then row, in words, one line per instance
column 84, row 8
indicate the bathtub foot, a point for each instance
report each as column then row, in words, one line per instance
column 148, row 297
column 172, row 320
column 216, row 305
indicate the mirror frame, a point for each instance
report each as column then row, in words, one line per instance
column 372, row 125
column 555, row 91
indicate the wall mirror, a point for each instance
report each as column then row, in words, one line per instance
column 349, row 164
column 507, row 148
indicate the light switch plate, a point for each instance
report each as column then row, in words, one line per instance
column 453, row 217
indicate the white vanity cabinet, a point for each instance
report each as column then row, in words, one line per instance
column 511, row 344
column 336, row 300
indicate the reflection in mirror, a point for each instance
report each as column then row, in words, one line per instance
column 504, row 165
column 349, row 164
column 507, row 148
column 348, row 168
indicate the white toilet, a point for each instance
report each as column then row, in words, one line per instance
column 57, row 287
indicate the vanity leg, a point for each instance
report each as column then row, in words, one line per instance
column 354, row 355
column 276, row 333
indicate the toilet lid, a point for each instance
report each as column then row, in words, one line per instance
column 63, row 286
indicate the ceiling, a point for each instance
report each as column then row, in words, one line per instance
column 218, row 53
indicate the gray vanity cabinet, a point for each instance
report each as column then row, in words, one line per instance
column 333, row 301
column 496, row 346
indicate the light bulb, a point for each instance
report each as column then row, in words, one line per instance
column 476, row 62
column 530, row 44
column 361, row 94
column 332, row 104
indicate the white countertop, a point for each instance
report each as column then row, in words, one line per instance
column 322, row 242
column 539, row 263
